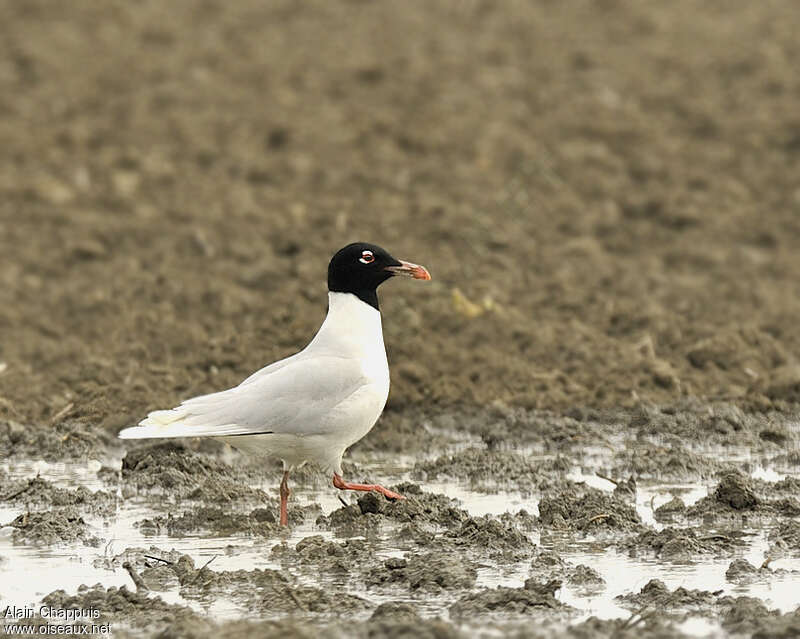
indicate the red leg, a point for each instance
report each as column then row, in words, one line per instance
column 341, row 484
column 285, row 498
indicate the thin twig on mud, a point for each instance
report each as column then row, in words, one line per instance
column 629, row 623
column 598, row 518
column 715, row 538
column 295, row 599
column 62, row 413
column 165, row 561
column 137, row 579
column 613, row 481
column 199, row 570
column 20, row 491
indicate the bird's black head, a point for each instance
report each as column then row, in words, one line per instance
column 360, row 268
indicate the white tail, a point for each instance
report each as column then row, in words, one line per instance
column 169, row 423
column 179, row 422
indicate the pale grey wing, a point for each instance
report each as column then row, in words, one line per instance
column 271, row 368
column 295, row 398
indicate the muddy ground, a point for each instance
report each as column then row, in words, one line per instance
column 606, row 195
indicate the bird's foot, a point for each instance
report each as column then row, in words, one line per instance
column 341, row 484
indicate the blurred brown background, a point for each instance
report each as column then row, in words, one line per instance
column 606, row 193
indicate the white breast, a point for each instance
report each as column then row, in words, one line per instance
column 352, row 330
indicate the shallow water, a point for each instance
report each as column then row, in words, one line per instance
column 28, row 573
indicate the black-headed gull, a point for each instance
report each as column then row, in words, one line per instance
column 314, row 404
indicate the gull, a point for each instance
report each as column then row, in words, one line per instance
column 313, row 405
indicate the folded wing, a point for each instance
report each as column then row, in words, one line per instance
column 297, row 396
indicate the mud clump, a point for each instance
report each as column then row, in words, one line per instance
column 634, row 627
column 733, row 496
column 50, row 528
column 394, row 611
column 588, row 511
column 533, row 599
column 170, row 468
column 673, row 510
column 749, row 616
column 669, row 462
column 322, row 555
column 737, row 496
column 692, row 420
column 735, row 491
column 549, row 565
column 208, row 519
column 265, row 588
column 655, row 594
column 785, row 538
column 122, row 605
column 585, row 579
column 261, row 589
column 373, row 509
column 521, row 520
column 401, row 620
column 65, row 440
column 557, row 433
column 40, row 492
column 495, row 538
column 428, row 571
column 742, row 572
column 681, row 544
column 159, row 578
column 486, row 470
column 258, row 522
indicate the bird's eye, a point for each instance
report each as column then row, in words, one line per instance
column 366, row 257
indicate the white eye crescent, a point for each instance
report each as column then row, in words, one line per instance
column 366, row 257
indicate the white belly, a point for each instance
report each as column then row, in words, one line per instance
column 341, row 428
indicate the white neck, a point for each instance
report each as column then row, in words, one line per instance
column 351, row 325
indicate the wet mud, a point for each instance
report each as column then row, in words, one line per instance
column 586, row 509
column 51, row 528
column 215, row 521
column 171, row 469
column 681, row 544
column 533, row 598
column 426, row 571
column 431, row 561
column 485, row 469
column 419, row 507
column 38, row 492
